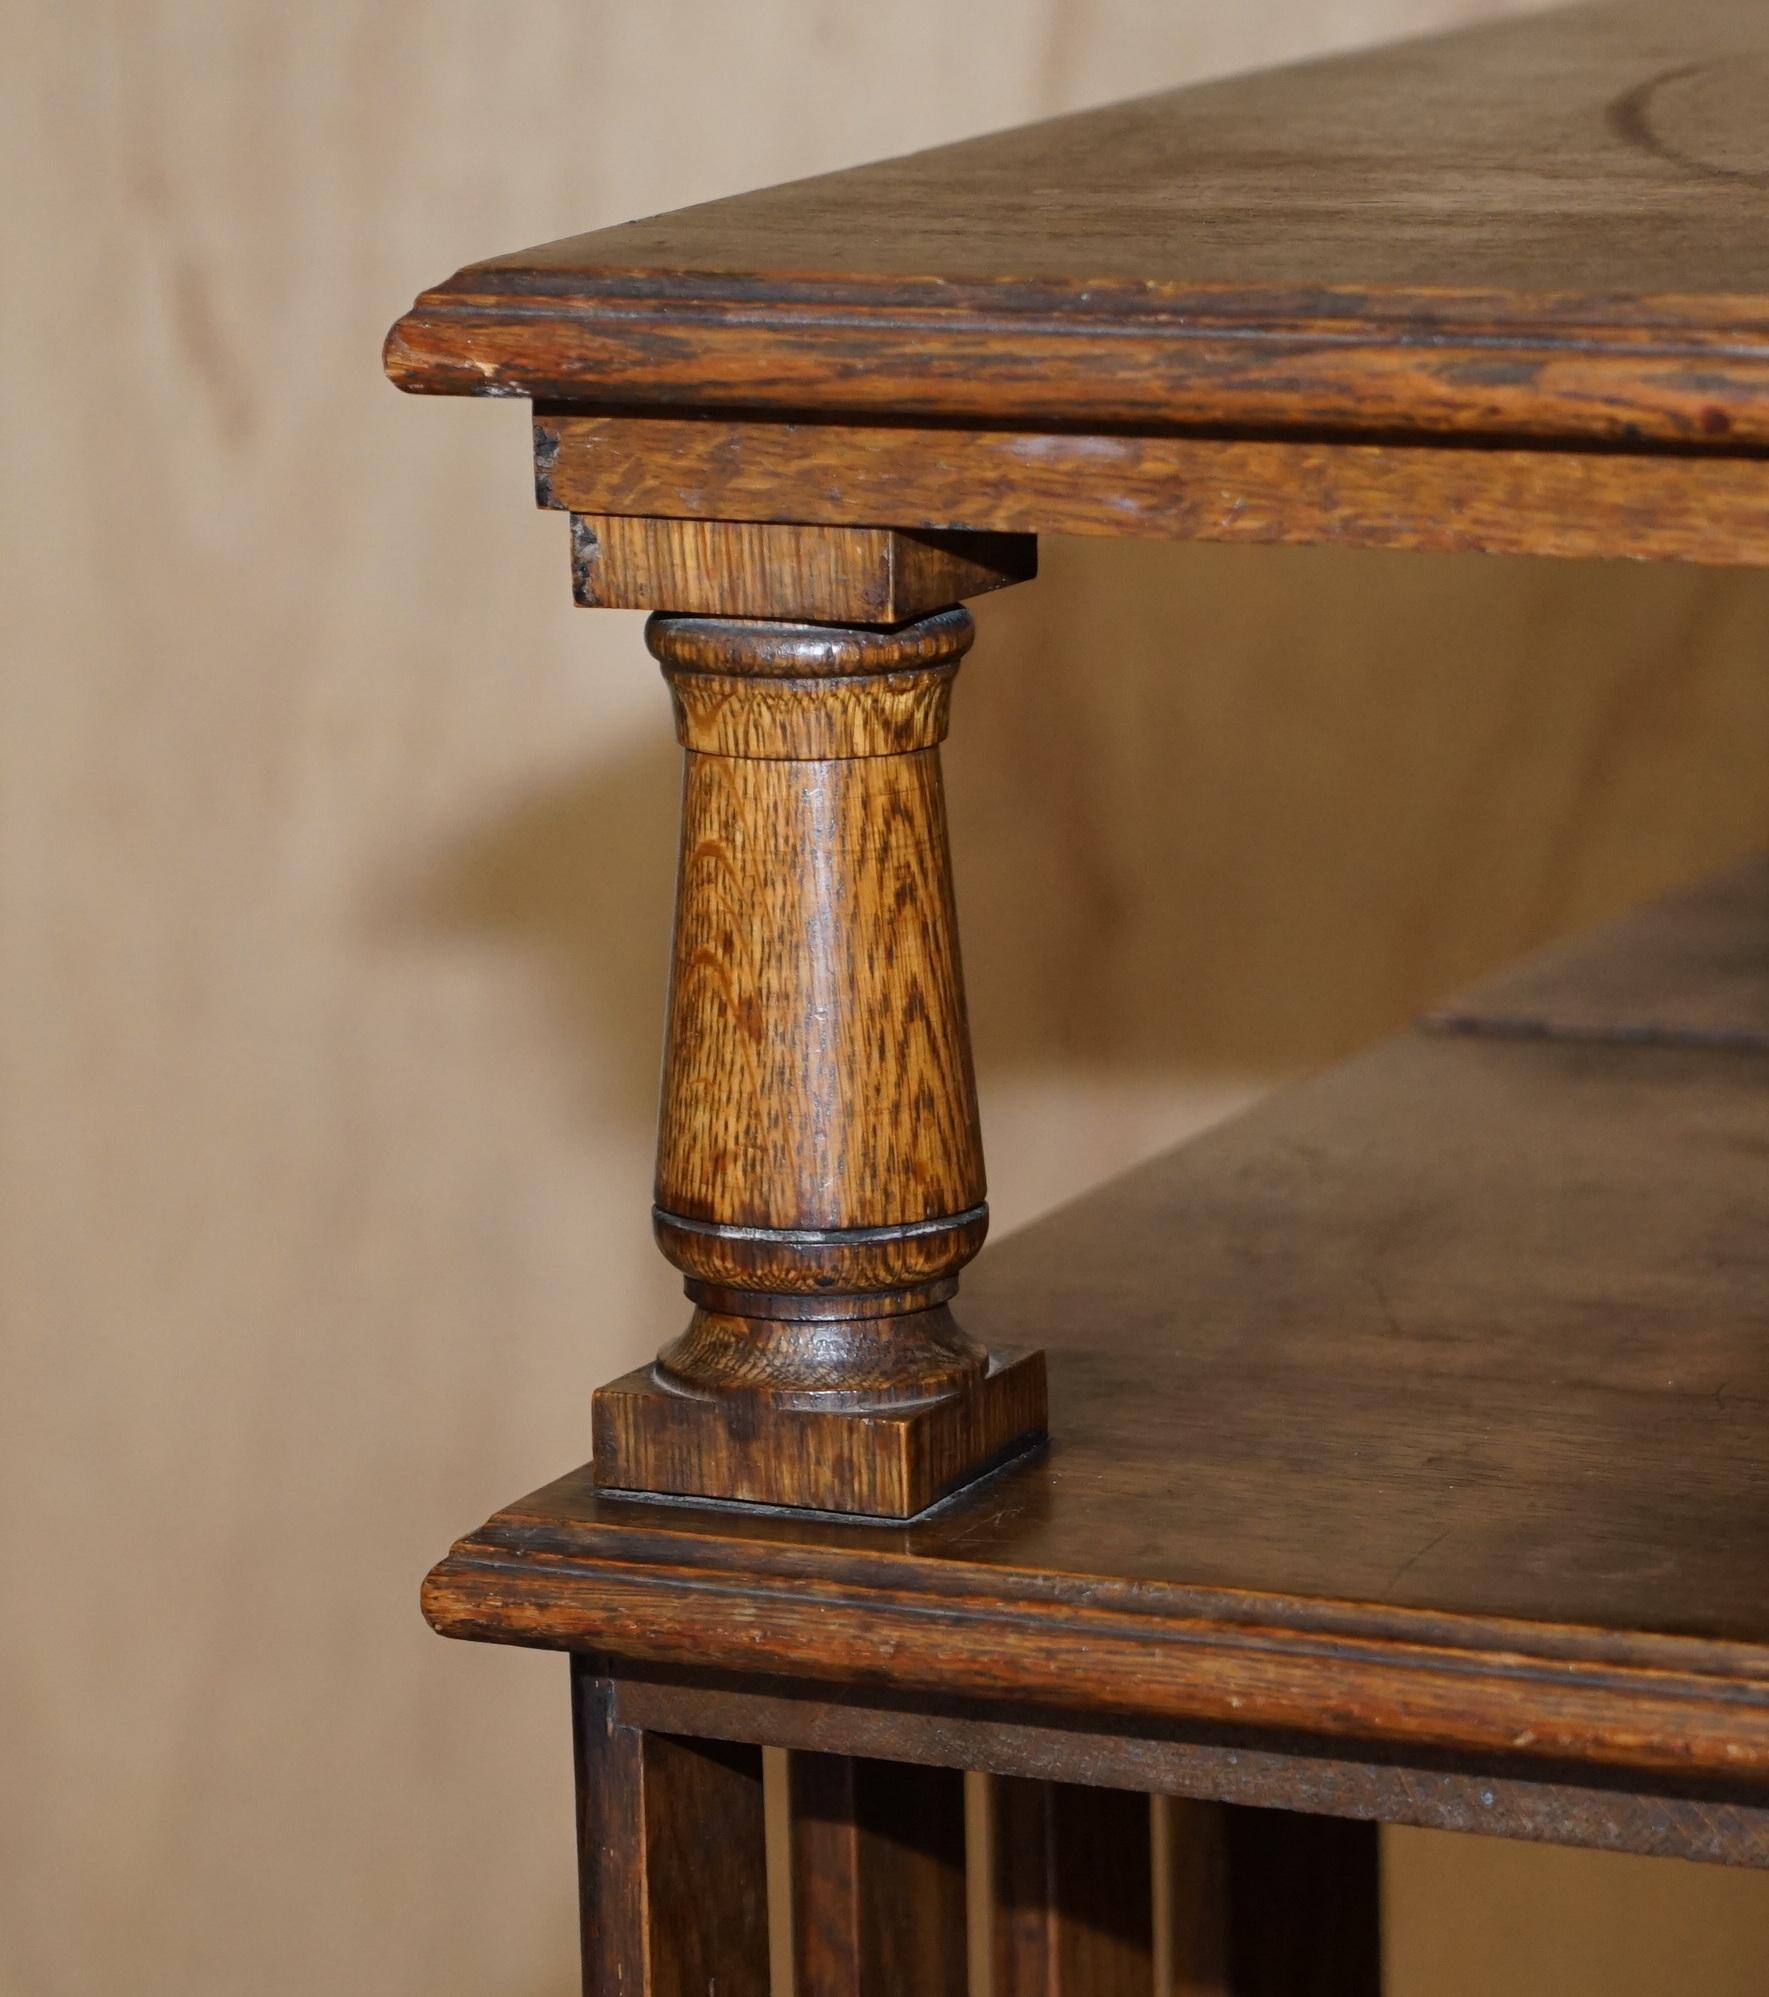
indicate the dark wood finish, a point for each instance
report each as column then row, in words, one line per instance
column 1428, row 1404
column 1414, row 1460
column 658, row 1919
column 819, row 1167
column 1071, row 1891
column 878, row 1894
column 885, row 1462
column 1401, row 496
column 1192, row 1901
column 1689, row 972
column 1266, row 1903
column 830, row 575
column 1298, row 1898
column 1499, row 1795
column 1549, row 227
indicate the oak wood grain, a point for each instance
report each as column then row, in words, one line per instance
column 833, row 575
column 1550, row 227
column 1606, row 504
column 1424, row 1405
column 819, row 1164
column 818, row 1069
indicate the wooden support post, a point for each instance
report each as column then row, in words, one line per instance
column 672, row 1857
column 878, row 1894
column 820, row 1169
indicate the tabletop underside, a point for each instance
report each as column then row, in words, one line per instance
column 1551, row 229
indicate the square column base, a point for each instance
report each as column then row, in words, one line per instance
column 650, row 1440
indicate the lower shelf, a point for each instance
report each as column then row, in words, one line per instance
column 1423, row 1411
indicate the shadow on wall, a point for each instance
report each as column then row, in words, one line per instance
column 1228, row 812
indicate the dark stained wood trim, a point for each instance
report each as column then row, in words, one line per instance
column 878, row 1886
column 1071, row 1890
column 657, row 1920
column 1640, row 506
column 1303, row 1905
column 1421, row 365
column 1500, row 1798
column 1339, row 1671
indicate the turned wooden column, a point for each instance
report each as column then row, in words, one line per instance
column 820, row 1168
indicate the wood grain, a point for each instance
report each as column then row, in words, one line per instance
column 817, row 1070
column 1072, row 1891
column 819, row 1165
column 1423, row 1406
column 336, row 884
column 851, row 575
column 1609, row 504
column 1503, row 1797
column 1551, row 228
column 658, row 1920
column 877, row 1878
column 879, row 1449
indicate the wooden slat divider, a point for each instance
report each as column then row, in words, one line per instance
column 1267, row 1903
column 878, row 1879
column 672, row 1857
column 1072, row 1900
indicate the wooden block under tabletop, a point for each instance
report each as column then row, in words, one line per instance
column 824, row 575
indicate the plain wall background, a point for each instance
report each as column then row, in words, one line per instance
column 335, row 853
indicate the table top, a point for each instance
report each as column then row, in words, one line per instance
column 1554, row 228
column 1428, row 1403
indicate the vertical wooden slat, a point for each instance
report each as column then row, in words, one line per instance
column 877, row 1878
column 1073, row 1891
column 1305, row 1899
column 1191, row 1898
column 672, row 1857
column 1269, row 1903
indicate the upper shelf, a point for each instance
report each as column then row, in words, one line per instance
column 1553, row 229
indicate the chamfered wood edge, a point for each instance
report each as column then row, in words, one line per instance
column 1335, row 1670
column 1687, row 371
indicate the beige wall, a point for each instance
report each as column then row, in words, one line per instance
column 334, row 870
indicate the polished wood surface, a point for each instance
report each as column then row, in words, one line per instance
column 1493, row 501
column 819, row 1161
column 817, row 1066
column 1423, row 1405
column 1550, row 228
